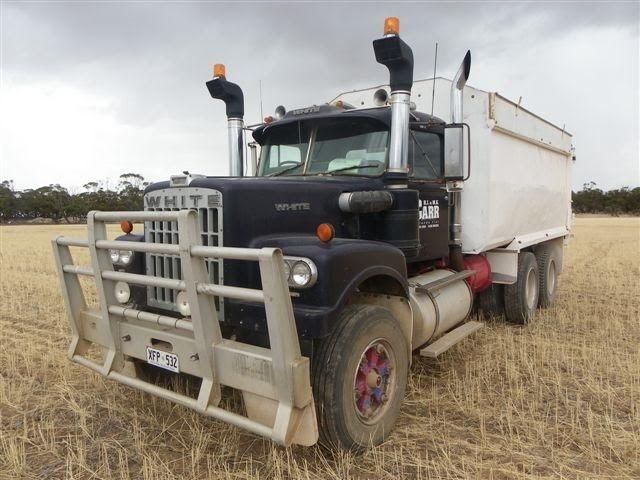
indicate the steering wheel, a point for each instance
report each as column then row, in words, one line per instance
column 289, row 162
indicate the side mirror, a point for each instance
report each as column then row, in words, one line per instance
column 455, row 153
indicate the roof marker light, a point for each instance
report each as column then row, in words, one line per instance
column 219, row 70
column 391, row 26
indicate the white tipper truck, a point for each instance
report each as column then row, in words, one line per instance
column 367, row 230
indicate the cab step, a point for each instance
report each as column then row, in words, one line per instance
column 448, row 340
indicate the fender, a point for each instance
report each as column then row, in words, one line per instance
column 343, row 265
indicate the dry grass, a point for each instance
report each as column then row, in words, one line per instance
column 558, row 398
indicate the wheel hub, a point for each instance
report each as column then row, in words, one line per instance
column 373, row 382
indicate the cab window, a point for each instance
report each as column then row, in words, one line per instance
column 285, row 150
column 326, row 146
column 282, row 155
column 425, row 155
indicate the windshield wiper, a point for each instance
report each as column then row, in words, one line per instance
column 344, row 169
column 288, row 169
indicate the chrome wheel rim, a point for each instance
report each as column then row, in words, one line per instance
column 531, row 289
column 374, row 381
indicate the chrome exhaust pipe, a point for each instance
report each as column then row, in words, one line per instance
column 235, row 133
column 455, row 190
column 457, row 86
column 231, row 94
column 398, row 144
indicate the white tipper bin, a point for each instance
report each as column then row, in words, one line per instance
column 519, row 190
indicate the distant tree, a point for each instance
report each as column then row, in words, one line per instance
column 633, row 201
column 131, row 180
column 92, row 186
column 131, row 189
column 8, row 204
column 51, row 201
column 589, row 200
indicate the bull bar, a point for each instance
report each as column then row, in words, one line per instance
column 275, row 381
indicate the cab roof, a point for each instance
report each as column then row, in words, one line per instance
column 317, row 112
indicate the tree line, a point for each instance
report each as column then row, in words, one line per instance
column 591, row 199
column 56, row 203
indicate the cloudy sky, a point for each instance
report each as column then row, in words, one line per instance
column 92, row 90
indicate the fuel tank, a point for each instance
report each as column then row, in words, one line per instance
column 437, row 310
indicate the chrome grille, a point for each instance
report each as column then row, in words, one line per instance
column 208, row 204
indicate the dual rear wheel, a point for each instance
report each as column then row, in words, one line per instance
column 535, row 288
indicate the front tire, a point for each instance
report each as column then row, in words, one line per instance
column 521, row 298
column 359, row 378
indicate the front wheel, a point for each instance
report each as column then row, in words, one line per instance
column 359, row 378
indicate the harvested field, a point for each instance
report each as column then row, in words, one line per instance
column 557, row 398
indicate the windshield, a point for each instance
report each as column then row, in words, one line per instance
column 345, row 146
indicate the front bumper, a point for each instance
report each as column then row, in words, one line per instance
column 275, row 382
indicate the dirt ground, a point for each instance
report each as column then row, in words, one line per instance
column 557, row 398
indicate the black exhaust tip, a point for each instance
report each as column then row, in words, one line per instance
column 396, row 55
column 230, row 93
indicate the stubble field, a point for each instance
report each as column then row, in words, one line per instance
column 557, row 398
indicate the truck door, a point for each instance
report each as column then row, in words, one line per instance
column 425, row 175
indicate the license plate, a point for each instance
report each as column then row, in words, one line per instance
column 162, row 359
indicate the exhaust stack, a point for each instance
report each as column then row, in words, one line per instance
column 231, row 94
column 459, row 81
column 455, row 188
column 392, row 52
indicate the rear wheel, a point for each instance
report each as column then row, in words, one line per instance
column 359, row 377
column 548, row 260
column 521, row 298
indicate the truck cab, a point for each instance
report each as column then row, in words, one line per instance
column 326, row 166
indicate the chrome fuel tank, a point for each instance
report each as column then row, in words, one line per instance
column 439, row 309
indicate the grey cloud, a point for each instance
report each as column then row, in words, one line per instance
column 150, row 60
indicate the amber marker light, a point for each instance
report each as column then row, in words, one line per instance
column 325, row 232
column 219, row 70
column 391, row 26
column 126, row 226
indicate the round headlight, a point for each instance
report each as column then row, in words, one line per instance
column 122, row 292
column 301, row 274
column 183, row 304
column 114, row 255
column 287, row 271
column 126, row 256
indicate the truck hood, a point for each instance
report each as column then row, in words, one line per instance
column 258, row 206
